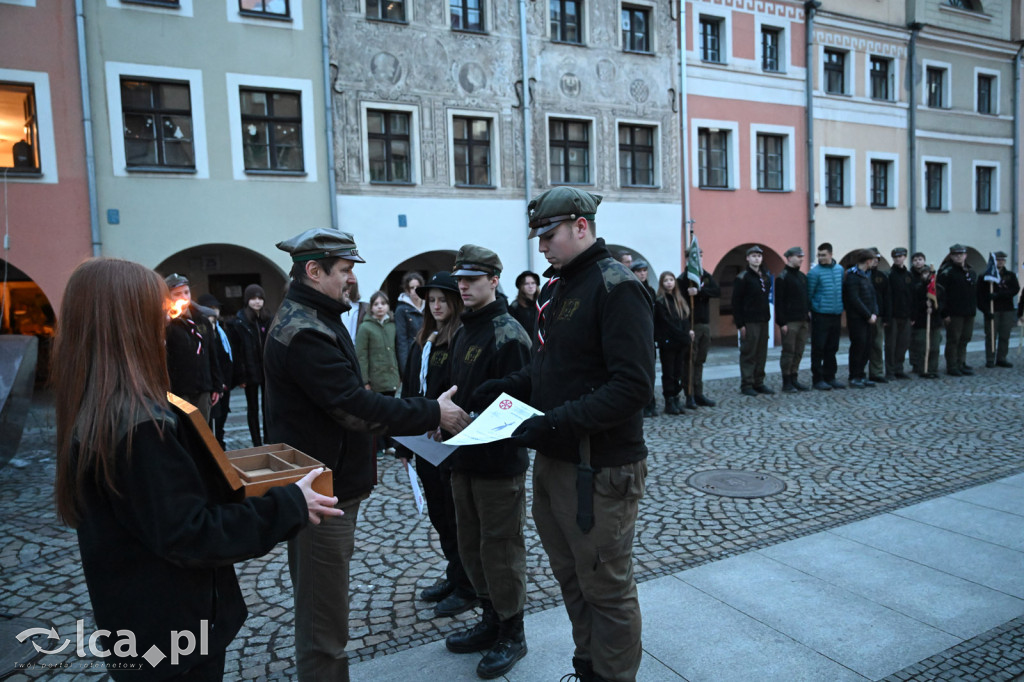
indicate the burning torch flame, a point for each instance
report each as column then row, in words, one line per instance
column 177, row 308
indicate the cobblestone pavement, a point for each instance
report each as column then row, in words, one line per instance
column 844, row 456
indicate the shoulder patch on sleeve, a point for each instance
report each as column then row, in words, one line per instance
column 292, row 318
column 614, row 273
column 508, row 329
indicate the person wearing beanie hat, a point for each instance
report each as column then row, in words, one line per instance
column 249, row 337
column 318, row 404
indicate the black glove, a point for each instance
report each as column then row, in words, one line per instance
column 485, row 394
column 535, row 432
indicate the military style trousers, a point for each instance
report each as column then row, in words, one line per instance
column 958, row 335
column 318, row 561
column 490, row 513
column 876, row 349
column 1005, row 320
column 918, row 343
column 825, row 333
column 701, row 344
column 794, row 340
column 897, row 341
column 754, row 353
column 595, row 569
column 860, row 338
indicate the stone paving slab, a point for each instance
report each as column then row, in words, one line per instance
column 858, row 633
column 1003, row 495
column 976, row 520
column 993, row 566
column 951, row 604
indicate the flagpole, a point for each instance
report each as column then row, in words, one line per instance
column 992, row 315
column 928, row 338
column 689, row 374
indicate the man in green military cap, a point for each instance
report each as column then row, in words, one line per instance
column 489, row 481
column 995, row 301
column 592, row 377
column 317, row 404
column 958, row 308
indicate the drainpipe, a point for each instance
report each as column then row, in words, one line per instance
column 915, row 28
column 332, row 191
column 1015, row 165
column 90, row 152
column 811, row 8
column 527, row 125
column 684, row 146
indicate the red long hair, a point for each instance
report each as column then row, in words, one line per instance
column 109, row 365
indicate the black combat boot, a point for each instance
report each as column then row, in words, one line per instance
column 691, row 404
column 796, row 383
column 510, row 647
column 787, row 384
column 671, row 406
column 480, row 637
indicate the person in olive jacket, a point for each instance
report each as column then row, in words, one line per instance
column 793, row 315
column 489, row 481
column 319, row 405
column 897, row 337
column 751, row 313
column 249, row 337
column 861, row 315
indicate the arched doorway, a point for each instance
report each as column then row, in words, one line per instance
column 426, row 263
column 975, row 260
column 25, row 309
column 725, row 273
column 225, row 270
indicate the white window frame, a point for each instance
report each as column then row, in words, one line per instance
column 656, row 147
column 734, row 151
column 237, row 81
column 725, row 37
column 584, row 38
column 894, row 77
column 495, row 146
column 40, row 81
column 981, row 71
column 294, row 21
column 893, row 181
column 947, row 85
column 788, row 151
column 947, row 182
column 849, row 175
column 592, row 168
column 415, row 176
column 408, row 14
column 847, row 71
column 785, row 56
column 114, row 72
column 184, row 8
column 651, row 8
column 996, row 173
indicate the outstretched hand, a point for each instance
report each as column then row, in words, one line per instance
column 453, row 417
column 317, row 505
column 534, row 432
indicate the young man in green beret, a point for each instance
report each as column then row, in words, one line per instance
column 592, row 377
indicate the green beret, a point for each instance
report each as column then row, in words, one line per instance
column 473, row 261
column 559, row 204
column 321, row 242
column 958, row 248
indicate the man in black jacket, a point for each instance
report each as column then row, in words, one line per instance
column 897, row 337
column 641, row 269
column 883, row 299
column 752, row 316
column 489, row 481
column 317, row 404
column 591, row 377
column 191, row 362
column 959, row 308
column 861, row 315
column 995, row 301
column 700, row 297
column 792, row 314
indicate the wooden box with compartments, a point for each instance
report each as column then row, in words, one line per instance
column 256, row 470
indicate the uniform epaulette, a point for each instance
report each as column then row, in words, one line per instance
column 293, row 317
column 614, row 273
column 507, row 329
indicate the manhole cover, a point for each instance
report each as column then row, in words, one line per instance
column 736, row 483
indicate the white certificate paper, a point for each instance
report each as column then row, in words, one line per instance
column 497, row 422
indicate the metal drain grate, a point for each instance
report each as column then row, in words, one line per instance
column 736, row 483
